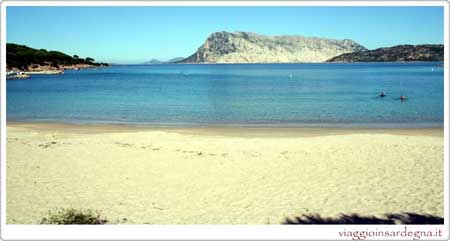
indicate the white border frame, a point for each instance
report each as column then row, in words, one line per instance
column 209, row 232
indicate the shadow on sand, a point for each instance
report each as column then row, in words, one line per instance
column 393, row 218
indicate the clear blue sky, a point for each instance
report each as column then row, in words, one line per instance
column 138, row 34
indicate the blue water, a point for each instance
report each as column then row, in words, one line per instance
column 236, row 94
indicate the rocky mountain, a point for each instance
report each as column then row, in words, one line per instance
column 399, row 53
column 246, row 47
column 156, row 61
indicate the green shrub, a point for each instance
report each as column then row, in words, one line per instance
column 73, row 216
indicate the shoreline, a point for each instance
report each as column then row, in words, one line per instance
column 54, row 70
column 224, row 130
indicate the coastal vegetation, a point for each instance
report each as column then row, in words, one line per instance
column 73, row 216
column 64, row 216
column 24, row 58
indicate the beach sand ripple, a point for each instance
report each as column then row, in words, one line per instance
column 159, row 176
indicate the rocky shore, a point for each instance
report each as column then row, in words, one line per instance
column 16, row 73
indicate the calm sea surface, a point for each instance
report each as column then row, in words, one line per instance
column 316, row 95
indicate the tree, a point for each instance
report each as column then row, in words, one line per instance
column 21, row 56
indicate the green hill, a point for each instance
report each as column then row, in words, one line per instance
column 399, row 53
column 21, row 57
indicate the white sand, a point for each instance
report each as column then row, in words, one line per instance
column 209, row 177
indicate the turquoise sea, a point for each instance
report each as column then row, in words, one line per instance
column 310, row 95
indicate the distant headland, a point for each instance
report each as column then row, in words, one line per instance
column 399, row 53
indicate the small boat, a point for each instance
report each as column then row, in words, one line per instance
column 16, row 75
column 403, row 98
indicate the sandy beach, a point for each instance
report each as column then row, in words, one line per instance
column 221, row 175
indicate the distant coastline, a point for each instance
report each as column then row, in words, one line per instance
column 438, row 63
column 238, row 48
column 247, row 47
